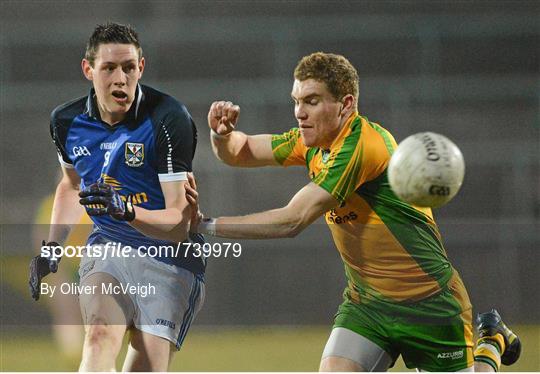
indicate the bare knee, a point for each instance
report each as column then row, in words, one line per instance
column 102, row 344
column 102, row 336
column 98, row 333
column 335, row 364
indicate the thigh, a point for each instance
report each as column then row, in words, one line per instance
column 99, row 307
column 360, row 334
column 147, row 352
column 98, row 279
column 347, row 350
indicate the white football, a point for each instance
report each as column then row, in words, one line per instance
column 426, row 170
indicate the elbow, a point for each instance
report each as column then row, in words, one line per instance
column 294, row 230
column 177, row 232
column 66, row 186
column 174, row 235
column 180, row 232
column 229, row 160
column 297, row 220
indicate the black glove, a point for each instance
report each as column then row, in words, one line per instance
column 101, row 199
column 41, row 266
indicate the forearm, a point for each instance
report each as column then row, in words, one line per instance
column 167, row 224
column 228, row 148
column 305, row 207
column 276, row 223
column 66, row 212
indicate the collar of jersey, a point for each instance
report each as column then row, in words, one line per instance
column 131, row 117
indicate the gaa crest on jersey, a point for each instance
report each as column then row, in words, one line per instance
column 325, row 156
column 134, row 154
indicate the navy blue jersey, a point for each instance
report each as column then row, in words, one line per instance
column 154, row 143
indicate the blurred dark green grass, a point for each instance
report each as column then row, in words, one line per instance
column 207, row 348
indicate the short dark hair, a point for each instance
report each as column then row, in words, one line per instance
column 111, row 32
column 336, row 71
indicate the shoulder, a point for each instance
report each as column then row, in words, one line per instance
column 288, row 148
column 62, row 117
column 162, row 106
column 377, row 138
column 65, row 113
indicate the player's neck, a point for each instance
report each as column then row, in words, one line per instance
column 111, row 119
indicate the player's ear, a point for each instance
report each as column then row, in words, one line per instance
column 347, row 103
column 141, row 67
column 87, row 69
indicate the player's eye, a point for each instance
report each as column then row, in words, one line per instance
column 313, row 102
column 129, row 69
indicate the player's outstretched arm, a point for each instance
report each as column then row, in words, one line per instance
column 235, row 148
column 171, row 223
column 66, row 212
column 306, row 206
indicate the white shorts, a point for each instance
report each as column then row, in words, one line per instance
column 164, row 298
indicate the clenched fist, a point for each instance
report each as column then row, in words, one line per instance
column 222, row 117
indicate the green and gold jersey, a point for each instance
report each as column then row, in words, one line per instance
column 392, row 250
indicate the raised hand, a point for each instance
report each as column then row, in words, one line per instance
column 222, row 117
column 192, row 197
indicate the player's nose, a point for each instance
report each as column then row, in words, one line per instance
column 119, row 77
column 300, row 113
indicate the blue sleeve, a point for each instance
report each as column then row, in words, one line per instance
column 176, row 139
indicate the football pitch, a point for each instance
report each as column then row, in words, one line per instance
column 207, row 348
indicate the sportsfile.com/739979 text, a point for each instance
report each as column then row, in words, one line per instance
column 113, row 249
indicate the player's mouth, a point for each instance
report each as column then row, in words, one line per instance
column 120, row 96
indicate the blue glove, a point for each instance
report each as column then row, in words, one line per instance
column 40, row 267
column 101, row 199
